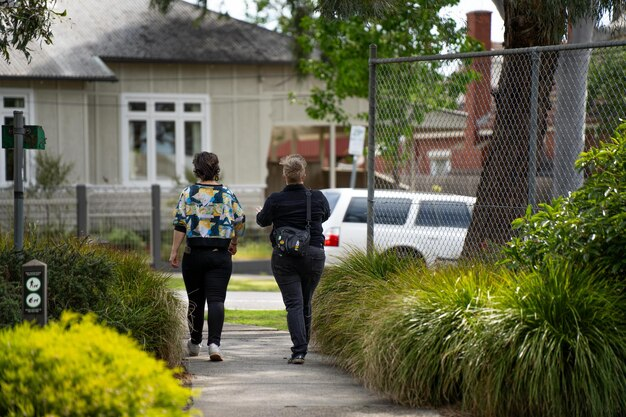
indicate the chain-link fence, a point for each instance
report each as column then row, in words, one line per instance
column 503, row 128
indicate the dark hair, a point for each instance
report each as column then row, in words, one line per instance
column 206, row 166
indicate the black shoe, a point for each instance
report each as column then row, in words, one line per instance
column 297, row 359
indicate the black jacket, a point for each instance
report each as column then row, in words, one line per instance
column 288, row 208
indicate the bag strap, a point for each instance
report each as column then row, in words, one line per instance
column 308, row 209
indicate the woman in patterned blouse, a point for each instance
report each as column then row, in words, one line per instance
column 209, row 215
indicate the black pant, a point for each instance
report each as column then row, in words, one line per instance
column 206, row 272
column 297, row 279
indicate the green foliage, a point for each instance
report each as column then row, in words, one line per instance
column 78, row 273
column 607, row 69
column 496, row 342
column 23, row 22
column 138, row 302
column 119, row 288
column 553, row 345
column 336, row 51
column 52, row 173
column 124, row 239
column 427, row 330
column 589, row 226
column 75, row 367
column 348, row 298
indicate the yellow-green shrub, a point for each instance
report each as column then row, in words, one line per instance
column 76, row 367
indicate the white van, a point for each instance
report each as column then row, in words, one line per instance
column 426, row 225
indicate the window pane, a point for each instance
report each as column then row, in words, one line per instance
column 165, row 149
column 8, row 155
column 455, row 214
column 427, row 214
column 14, row 102
column 391, row 210
column 137, row 106
column 138, row 163
column 193, row 138
column 357, row 211
column 8, row 164
column 332, row 198
column 193, row 141
column 165, row 106
column 193, row 107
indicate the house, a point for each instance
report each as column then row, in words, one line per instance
column 128, row 95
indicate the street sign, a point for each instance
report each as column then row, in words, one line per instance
column 34, row 137
column 357, row 140
column 35, row 285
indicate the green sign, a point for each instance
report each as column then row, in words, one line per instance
column 34, row 137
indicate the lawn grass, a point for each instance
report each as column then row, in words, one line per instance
column 265, row 318
column 236, row 284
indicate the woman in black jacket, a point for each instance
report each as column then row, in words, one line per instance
column 297, row 277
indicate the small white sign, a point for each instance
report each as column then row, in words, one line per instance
column 357, row 140
column 33, row 284
column 33, row 300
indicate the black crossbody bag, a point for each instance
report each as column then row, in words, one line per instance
column 292, row 241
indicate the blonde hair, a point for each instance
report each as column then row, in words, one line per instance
column 294, row 168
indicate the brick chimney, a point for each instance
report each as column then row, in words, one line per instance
column 478, row 96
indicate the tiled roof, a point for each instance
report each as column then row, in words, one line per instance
column 97, row 31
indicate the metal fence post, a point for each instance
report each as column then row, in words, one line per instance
column 18, row 180
column 371, row 143
column 155, row 229
column 532, row 132
column 81, row 210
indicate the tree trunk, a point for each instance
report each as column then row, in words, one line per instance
column 569, row 121
column 503, row 190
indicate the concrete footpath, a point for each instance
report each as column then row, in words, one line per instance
column 254, row 380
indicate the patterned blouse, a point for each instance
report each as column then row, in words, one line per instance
column 209, row 211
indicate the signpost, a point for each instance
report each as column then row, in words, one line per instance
column 35, row 273
column 357, row 139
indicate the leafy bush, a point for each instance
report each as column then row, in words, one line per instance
column 75, row 367
column 125, row 239
column 78, row 273
column 120, row 288
column 589, row 226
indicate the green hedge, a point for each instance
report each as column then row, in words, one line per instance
column 75, row 367
column 120, row 288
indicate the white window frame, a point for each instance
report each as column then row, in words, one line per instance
column 29, row 116
column 438, row 158
column 150, row 116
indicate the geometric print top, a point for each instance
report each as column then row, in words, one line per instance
column 209, row 211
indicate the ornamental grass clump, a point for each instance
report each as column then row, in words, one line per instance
column 553, row 345
column 76, row 367
column 348, row 298
column 416, row 348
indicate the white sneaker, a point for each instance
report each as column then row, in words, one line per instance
column 194, row 350
column 214, row 353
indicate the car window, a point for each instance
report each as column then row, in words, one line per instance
column 443, row 214
column 391, row 210
column 357, row 211
column 386, row 210
column 332, row 198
